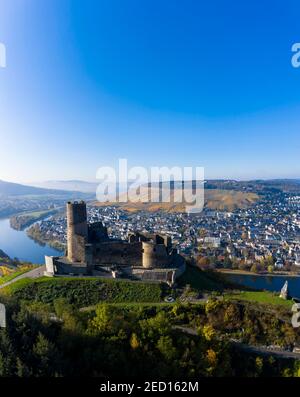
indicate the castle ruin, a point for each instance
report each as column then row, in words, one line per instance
column 91, row 252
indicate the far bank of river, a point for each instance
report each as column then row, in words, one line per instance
column 24, row 220
column 248, row 273
column 269, row 282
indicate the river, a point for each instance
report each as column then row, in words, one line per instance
column 17, row 244
column 270, row 283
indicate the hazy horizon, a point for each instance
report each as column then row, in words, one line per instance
column 95, row 181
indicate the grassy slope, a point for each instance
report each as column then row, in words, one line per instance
column 89, row 291
column 260, row 297
column 84, row 291
column 203, row 281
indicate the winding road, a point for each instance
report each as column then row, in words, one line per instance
column 35, row 273
column 243, row 346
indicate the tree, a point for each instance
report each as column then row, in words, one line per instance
column 22, row 370
column 253, row 268
column 211, row 357
column 232, row 316
column 134, row 342
column 227, row 263
column 208, row 332
column 3, row 368
column 44, row 352
column 154, row 327
column 103, row 321
column 7, row 353
column 68, row 314
column 166, row 348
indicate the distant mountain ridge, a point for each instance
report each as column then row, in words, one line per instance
column 69, row 185
column 75, row 185
column 258, row 186
column 17, row 189
column 214, row 199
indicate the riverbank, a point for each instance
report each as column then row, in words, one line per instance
column 24, row 220
column 16, row 244
column 268, row 282
column 3, row 255
column 247, row 273
column 35, row 234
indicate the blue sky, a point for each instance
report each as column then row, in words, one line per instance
column 163, row 83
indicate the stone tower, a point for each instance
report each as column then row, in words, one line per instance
column 154, row 255
column 77, row 231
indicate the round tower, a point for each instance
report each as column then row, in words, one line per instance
column 77, row 231
column 154, row 255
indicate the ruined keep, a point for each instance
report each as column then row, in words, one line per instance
column 77, row 231
column 90, row 251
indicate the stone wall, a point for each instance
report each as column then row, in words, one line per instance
column 117, row 253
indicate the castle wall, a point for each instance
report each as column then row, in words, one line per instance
column 118, row 253
column 167, row 275
column 50, row 264
column 97, row 232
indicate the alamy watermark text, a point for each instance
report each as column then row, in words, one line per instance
column 175, row 184
column 296, row 55
column 2, row 56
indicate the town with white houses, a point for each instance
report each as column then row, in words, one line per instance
column 266, row 235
